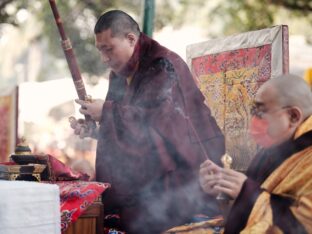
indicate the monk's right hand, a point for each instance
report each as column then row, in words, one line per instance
column 214, row 179
column 81, row 128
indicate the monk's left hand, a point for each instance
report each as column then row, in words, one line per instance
column 230, row 182
column 94, row 108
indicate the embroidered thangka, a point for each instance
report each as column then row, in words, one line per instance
column 8, row 122
column 229, row 72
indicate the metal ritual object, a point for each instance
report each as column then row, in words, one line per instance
column 223, row 199
column 23, row 165
column 16, row 172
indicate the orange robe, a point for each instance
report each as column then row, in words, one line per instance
column 277, row 196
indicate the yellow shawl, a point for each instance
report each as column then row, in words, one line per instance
column 293, row 178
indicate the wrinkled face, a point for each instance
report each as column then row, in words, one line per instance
column 115, row 51
column 281, row 127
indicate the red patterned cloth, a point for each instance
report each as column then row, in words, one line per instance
column 76, row 197
column 58, row 171
column 7, row 163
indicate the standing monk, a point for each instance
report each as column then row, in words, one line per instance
column 275, row 196
column 154, row 129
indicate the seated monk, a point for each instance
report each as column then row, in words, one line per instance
column 275, row 195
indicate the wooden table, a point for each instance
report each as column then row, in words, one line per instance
column 90, row 222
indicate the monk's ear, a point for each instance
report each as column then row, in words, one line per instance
column 132, row 38
column 295, row 115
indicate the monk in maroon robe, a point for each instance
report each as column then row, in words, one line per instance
column 154, row 130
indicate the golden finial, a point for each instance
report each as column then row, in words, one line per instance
column 88, row 98
column 22, row 142
column 22, row 147
column 227, row 161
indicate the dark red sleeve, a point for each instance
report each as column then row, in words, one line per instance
column 242, row 207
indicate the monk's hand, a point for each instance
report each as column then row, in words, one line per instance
column 81, row 128
column 209, row 175
column 92, row 108
column 230, row 182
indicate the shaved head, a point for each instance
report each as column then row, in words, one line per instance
column 291, row 90
column 119, row 22
column 283, row 104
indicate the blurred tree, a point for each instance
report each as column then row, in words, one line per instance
column 8, row 9
column 304, row 6
column 245, row 15
column 79, row 17
column 240, row 15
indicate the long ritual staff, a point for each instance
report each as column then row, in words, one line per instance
column 72, row 63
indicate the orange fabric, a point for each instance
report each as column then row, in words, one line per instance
column 291, row 179
column 304, row 127
column 308, row 76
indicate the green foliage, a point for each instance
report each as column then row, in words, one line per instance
column 5, row 17
column 240, row 16
column 167, row 15
column 302, row 7
column 78, row 19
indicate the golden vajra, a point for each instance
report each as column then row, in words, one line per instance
column 227, row 161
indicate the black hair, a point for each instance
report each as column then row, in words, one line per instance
column 119, row 22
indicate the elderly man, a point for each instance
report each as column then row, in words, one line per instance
column 275, row 195
column 154, row 129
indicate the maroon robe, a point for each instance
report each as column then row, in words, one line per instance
column 154, row 134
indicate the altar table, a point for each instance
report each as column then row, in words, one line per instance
column 68, row 207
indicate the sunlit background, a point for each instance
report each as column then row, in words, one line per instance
column 31, row 56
